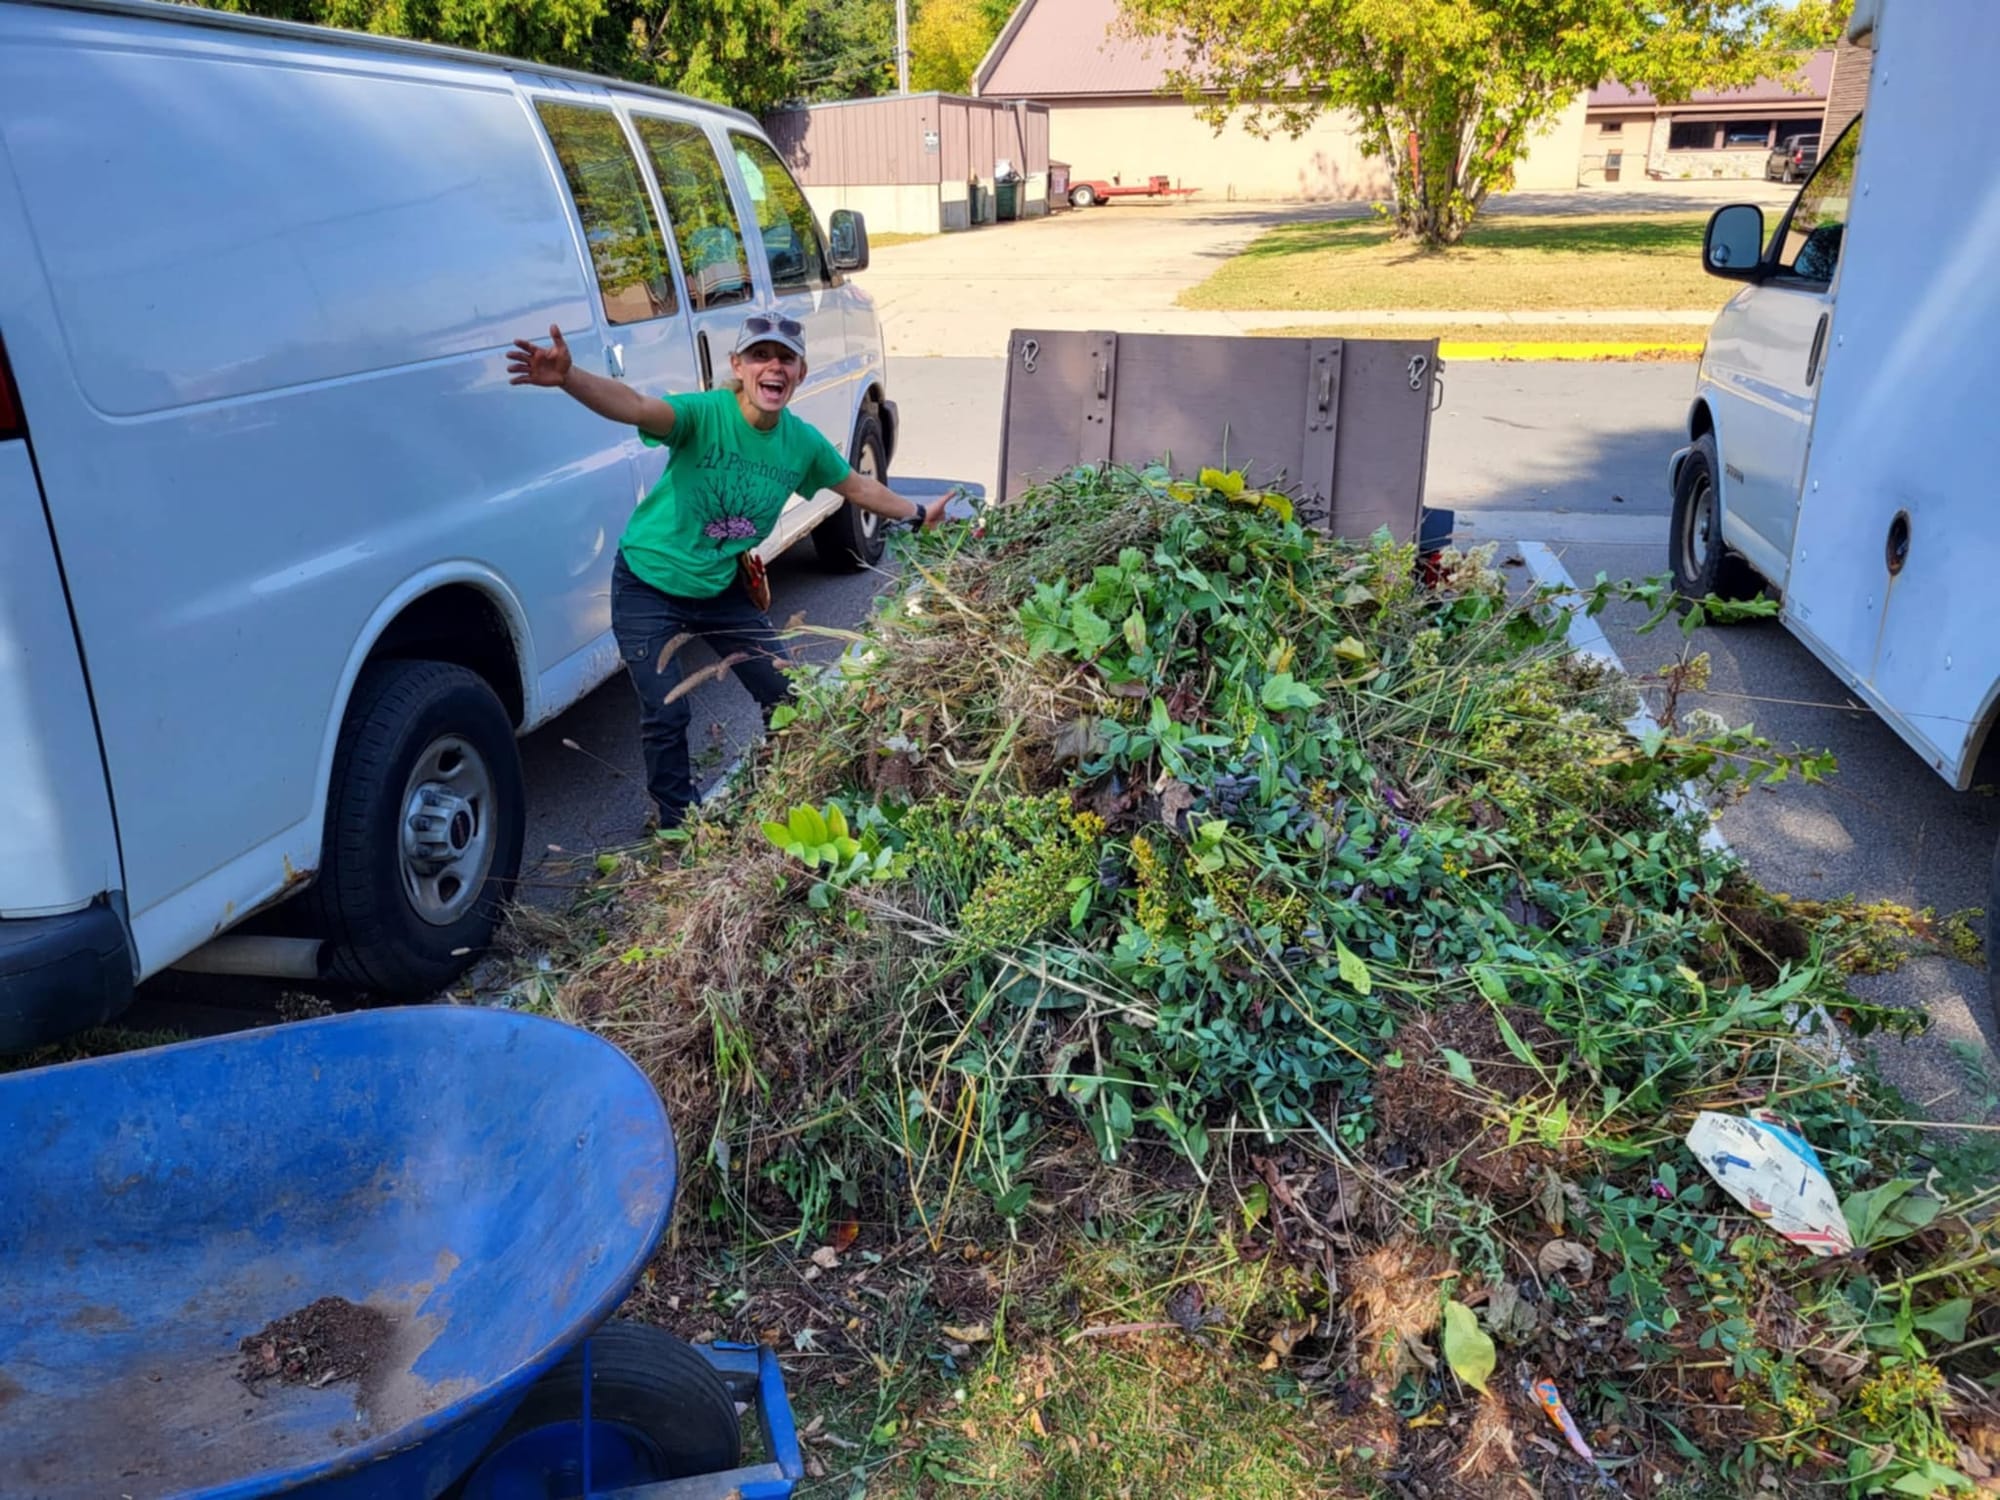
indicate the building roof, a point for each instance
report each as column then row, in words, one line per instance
column 1053, row 49
column 1816, row 74
column 1066, row 49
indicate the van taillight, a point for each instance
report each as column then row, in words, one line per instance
column 13, row 423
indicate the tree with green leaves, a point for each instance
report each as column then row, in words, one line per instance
column 732, row 51
column 1450, row 94
column 949, row 39
column 842, row 49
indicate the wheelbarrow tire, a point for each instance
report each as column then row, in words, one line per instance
column 402, row 922
column 661, row 1390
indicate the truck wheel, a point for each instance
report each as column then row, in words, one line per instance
column 851, row 538
column 424, row 823
column 658, row 1411
column 1082, row 196
column 1701, row 564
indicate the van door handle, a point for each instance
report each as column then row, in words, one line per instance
column 707, row 360
column 1818, row 348
column 614, row 360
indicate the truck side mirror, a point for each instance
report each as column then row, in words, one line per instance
column 849, row 233
column 1734, row 245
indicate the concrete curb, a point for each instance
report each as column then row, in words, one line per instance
column 1532, row 350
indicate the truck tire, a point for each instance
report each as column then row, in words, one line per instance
column 851, row 538
column 1702, row 565
column 424, row 824
column 1083, row 195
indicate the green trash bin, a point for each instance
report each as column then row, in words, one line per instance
column 1009, row 198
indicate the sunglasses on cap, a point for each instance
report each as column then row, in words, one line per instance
column 758, row 327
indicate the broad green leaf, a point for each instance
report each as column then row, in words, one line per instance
column 781, row 835
column 1929, row 1480
column 1256, row 1203
column 1135, row 631
column 1281, row 691
column 1947, row 1319
column 1888, row 1210
column 1353, row 971
column 1457, row 1064
column 836, row 820
column 1093, row 631
column 1467, row 1347
column 1513, row 1038
column 1279, row 504
column 1554, row 1125
column 808, row 827
column 1350, row 649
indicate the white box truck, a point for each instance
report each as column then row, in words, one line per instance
column 285, row 564
column 1843, row 445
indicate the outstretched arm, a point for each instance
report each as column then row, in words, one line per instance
column 529, row 365
column 872, row 494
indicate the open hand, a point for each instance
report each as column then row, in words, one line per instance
column 934, row 513
column 528, row 365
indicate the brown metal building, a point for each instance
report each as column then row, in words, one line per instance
column 916, row 163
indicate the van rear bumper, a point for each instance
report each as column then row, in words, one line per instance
column 61, row 974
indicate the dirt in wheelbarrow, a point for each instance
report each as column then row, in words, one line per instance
column 326, row 1341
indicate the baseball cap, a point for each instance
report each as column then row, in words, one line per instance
column 772, row 328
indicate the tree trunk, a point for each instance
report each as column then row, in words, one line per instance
column 1431, row 206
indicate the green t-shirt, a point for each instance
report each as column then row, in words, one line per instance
column 725, row 485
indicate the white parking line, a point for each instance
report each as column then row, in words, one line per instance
column 1587, row 639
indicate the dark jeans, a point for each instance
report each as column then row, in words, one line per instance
column 645, row 620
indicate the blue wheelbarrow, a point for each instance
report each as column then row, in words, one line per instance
column 471, row 1192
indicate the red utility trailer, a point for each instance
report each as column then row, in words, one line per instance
column 1086, row 193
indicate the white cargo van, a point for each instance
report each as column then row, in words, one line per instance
column 1844, row 450
column 285, row 563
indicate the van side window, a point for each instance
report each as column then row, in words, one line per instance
column 1819, row 218
column 617, row 212
column 698, row 210
column 791, row 233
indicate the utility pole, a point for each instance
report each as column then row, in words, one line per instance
column 902, row 46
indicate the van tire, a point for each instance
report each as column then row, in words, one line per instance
column 1701, row 564
column 402, row 921
column 851, row 538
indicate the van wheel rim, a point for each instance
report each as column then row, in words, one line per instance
column 447, row 834
column 870, row 522
column 1699, row 533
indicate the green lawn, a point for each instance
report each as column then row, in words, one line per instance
column 1506, row 264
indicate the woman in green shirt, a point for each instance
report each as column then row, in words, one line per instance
column 737, row 456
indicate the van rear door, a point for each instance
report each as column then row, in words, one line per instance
column 65, row 960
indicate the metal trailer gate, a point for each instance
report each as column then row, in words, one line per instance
column 1341, row 425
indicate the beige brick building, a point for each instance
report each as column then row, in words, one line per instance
column 1629, row 137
